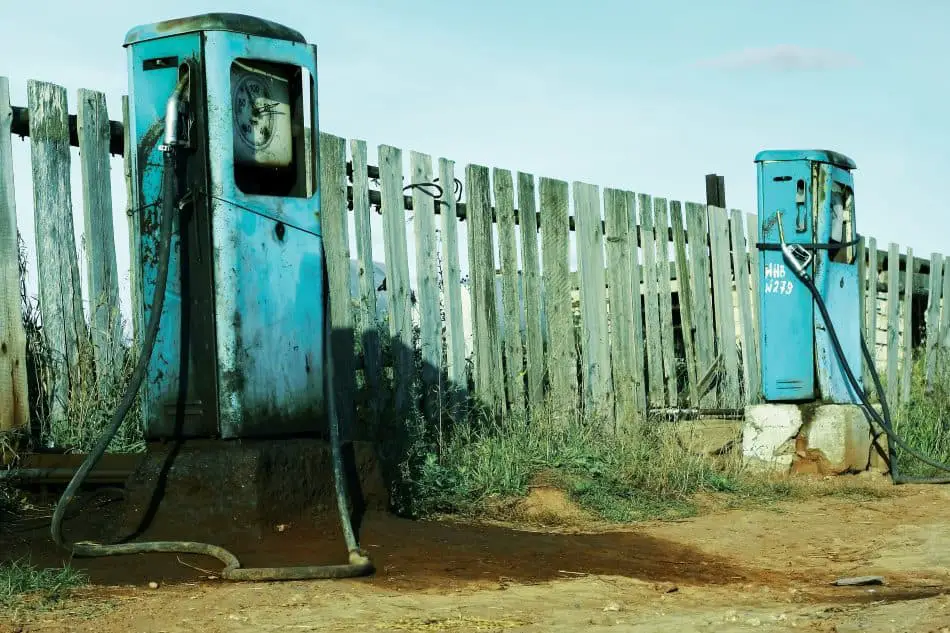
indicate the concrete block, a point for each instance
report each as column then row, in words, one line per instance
column 768, row 436
column 841, row 434
column 709, row 437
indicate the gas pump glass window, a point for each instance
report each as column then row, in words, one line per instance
column 842, row 223
column 271, row 107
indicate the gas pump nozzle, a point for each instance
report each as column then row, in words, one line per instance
column 796, row 256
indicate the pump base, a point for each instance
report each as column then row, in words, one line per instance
column 825, row 439
column 256, row 486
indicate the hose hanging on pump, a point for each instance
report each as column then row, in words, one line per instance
column 798, row 259
column 359, row 564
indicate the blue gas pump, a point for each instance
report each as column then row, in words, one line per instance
column 230, row 254
column 806, row 201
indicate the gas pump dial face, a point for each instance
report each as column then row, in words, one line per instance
column 255, row 112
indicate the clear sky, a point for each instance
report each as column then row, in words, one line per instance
column 646, row 96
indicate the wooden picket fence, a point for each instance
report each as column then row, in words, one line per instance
column 659, row 312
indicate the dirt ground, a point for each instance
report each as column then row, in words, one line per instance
column 769, row 569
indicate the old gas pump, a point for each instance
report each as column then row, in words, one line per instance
column 229, row 252
column 807, row 224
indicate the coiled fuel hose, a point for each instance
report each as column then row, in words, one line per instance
column 359, row 563
column 885, row 422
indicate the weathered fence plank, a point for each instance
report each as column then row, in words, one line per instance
column 397, row 276
column 489, row 377
column 752, row 226
column 101, row 270
column 132, row 216
column 531, row 282
column 452, row 285
column 907, row 336
column 369, row 337
column 14, row 395
column 750, row 364
column 595, row 344
column 562, row 355
column 862, row 304
column 932, row 318
column 336, row 243
column 700, row 279
column 60, row 296
column 685, row 300
column 511, row 305
column 893, row 325
column 724, row 307
column 427, row 280
column 872, row 301
column 626, row 329
column 945, row 314
column 651, row 298
column 661, row 224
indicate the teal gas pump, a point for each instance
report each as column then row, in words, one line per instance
column 230, row 253
column 808, row 242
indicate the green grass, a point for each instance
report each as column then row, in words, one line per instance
column 923, row 422
column 25, row 587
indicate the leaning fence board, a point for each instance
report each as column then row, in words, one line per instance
column 531, row 280
column 626, row 332
column 661, row 225
column 489, row 378
column 595, row 345
column 427, row 279
column 64, row 325
column 893, row 325
column 368, row 334
column 101, row 270
column 697, row 235
column 685, row 299
column 454, row 332
column 862, row 302
column 723, row 304
column 336, row 243
column 651, row 297
column 562, row 356
column 135, row 283
column 14, row 395
column 932, row 319
column 872, row 300
column 750, row 363
column 945, row 313
column 907, row 335
column 397, row 276
column 752, row 226
column 508, row 250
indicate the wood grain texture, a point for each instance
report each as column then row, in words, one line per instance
column 700, row 278
column 427, row 281
column 511, row 304
column 872, row 297
column 907, row 334
column 661, row 224
column 336, row 243
column 932, row 319
column 595, row 344
column 369, row 336
column 101, row 271
column 60, row 296
column 626, row 328
column 893, row 323
column 562, row 355
column 132, row 216
column 454, row 329
column 729, row 394
column 14, row 391
column 531, row 282
column 752, row 227
column 401, row 337
column 687, row 325
column 740, row 264
column 651, row 299
column 489, row 378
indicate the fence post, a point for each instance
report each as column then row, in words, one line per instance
column 14, row 410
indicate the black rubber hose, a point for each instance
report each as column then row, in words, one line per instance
column 359, row 564
column 869, row 411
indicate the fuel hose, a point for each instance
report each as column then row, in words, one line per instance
column 359, row 563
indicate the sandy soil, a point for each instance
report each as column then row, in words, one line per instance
column 766, row 570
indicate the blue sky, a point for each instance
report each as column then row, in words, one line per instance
column 647, row 96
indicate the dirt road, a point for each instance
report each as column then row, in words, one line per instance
column 739, row 570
